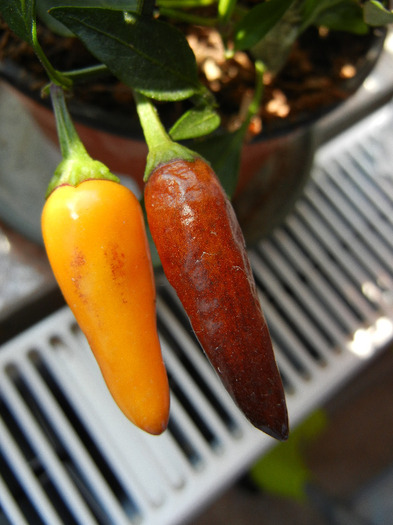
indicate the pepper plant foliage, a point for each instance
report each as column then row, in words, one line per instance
column 138, row 42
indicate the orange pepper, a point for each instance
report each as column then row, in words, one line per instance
column 95, row 238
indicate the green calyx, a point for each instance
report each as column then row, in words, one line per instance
column 162, row 149
column 77, row 166
column 165, row 154
column 75, row 170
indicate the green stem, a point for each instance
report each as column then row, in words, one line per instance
column 161, row 148
column 88, row 73
column 70, row 143
column 253, row 108
column 55, row 76
column 153, row 129
column 77, row 166
column 146, row 7
column 81, row 75
column 225, row 10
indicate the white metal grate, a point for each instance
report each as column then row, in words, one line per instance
column 326, row 281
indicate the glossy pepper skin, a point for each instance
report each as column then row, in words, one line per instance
column 203, row 255
column 95, row 239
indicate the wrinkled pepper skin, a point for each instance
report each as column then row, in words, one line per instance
column 203, row 255
column 95, row 238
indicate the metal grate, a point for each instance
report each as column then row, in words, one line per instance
column 326, row 281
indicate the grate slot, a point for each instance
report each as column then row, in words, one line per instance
column 311, row 273
column 377, row 167
column 168, row 297
column 297, row 281
column 312, row 339
column 292, row 349
column 178, row 341
column 300, row 359
column 14, row 506
column 26, row 493
column 24, row 472
column 329, row 267
column 291, row 379
column 369, row 188
column 189, row 451
column 196, row 405
column 358, row 205
column 357, row 230
column 188, row 438
column 341, row 254
column 289, row 386
column 199, row 421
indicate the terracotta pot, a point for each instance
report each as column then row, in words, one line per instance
column 274, row 174
column 274, row 168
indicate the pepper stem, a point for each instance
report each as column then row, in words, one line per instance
column 70, row 143
column 77, row 165
column 260, row 70
column 162, row 149
column 55, row 76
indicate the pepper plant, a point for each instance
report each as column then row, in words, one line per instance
column 141, row 43
column 93, row 227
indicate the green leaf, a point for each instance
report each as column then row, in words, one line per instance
column 223, row 152
column 258, row 22
column 148, row 55
column 312, row 8
column 225, row 9
column 20, row 16
column 283, row 470
column 43, row 6
column 376, row 14
column 196, row 122
column 346, row 16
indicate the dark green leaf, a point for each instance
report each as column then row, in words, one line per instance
column 19, row 15
column 258, row 22
column 223, row 151
column 376, row 14
column 312, row 8
column 148, row 55
column 43, row 6
column 196, row 122
column 346, row 16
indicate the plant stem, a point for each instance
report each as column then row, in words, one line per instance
column 146, row 7
column 81, row 75
column 88, row 73
column 153, row 129
column 161, row 148
column 70, row 143
column 253, row 108
column 225, row 9
column 55, row 76
column 77, row 166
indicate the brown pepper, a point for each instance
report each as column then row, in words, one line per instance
column 203, row 255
